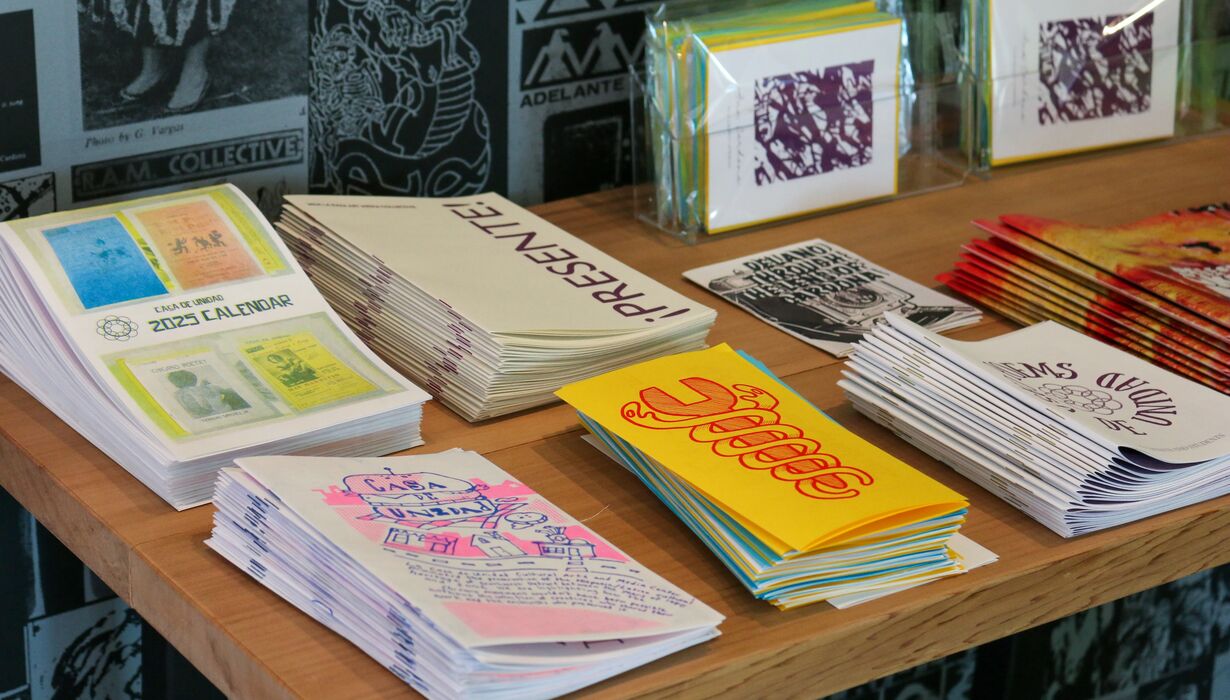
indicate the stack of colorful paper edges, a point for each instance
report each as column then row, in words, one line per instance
column 1159, row 288
column 1077, row 434
column 800, row 509
column 461, row 580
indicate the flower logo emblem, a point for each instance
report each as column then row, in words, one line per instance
column 120, row 328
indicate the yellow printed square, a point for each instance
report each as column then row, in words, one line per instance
column 303, row 372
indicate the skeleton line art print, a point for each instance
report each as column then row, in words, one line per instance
column 393, row 104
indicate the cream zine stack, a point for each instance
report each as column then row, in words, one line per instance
column 488, row 306
column 1078, row 434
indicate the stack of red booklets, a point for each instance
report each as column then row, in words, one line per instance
column 1159, row 288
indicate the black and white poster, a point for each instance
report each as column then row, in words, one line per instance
column 528, row 97
column 569, row 121
column 405, row 97
column 117, row 98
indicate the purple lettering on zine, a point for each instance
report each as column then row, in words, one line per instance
column 1086, row 75
column 812, row 122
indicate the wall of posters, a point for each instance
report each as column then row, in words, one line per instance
column 112, row 99
column 446, row 100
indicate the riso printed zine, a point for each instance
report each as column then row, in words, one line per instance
column 1077, row 433
column 461, row 580
column 800, row 509
column 801, row 122
column 185, row 334
column 825, row 295
column 1068, row 76
column 1159, row 287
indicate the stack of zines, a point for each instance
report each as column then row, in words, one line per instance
column 1159, row 288
column 488, row 306
column 1077, row 434
column 176, row 333
column 460, row 580
column 800, row 509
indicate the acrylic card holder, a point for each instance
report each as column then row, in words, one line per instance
column 756, row 113
column 1056, row 77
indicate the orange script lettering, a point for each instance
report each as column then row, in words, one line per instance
column 741, row 422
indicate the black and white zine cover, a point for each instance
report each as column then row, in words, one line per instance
column 825, row 295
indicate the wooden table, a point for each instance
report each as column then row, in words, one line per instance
column 252, row 644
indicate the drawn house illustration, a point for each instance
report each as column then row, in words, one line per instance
column 493, row 544
column 427, row 542
column 559, row 546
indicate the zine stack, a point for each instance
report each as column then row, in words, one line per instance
column 1159, row 288
column 1077, row 434
column 177, row 333
column 761, row 111
column 800, row 509
column 488, row 306
column 825, row 295
column 460, row 580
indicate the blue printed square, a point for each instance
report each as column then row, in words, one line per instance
column 103, row 263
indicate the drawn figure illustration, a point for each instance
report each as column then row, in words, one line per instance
column 813, row 122
column 393, row 107
column 559, row 545
column 202, row 399
column 291, row 369
column 520, row 521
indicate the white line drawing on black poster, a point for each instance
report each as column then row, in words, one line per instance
column 145, row 59
column 393, row 106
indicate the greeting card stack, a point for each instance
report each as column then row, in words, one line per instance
column 1058, row 76
column 1079, row 435
column 762, row 111
column 1159, row 288
column 488, row 306
column 459, row 579
column 176, row 333
column 800, row 509
column 825, row 295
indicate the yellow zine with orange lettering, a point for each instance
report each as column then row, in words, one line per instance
column 768, row 457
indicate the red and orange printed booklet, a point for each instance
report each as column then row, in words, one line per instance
column 1159, row 288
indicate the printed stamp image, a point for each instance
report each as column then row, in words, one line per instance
column 813, row 122
column 1088, row 75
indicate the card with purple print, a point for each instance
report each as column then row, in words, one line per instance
column 1068, row 76
column 801, row 122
